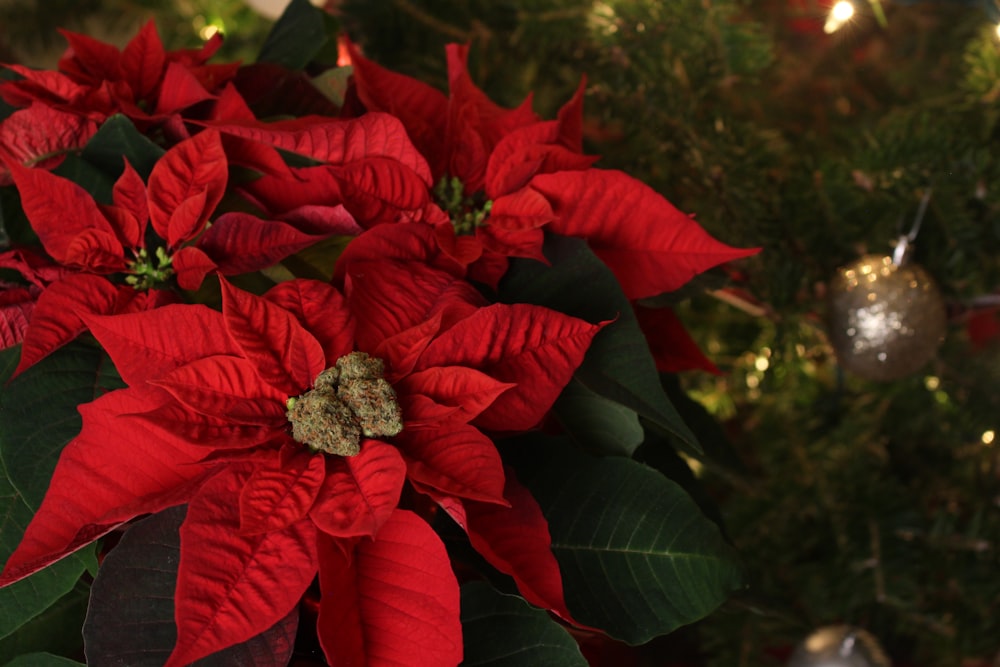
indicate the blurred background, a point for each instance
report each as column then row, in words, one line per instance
column 815, row 130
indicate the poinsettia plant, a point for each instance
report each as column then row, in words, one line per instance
column 364, row 378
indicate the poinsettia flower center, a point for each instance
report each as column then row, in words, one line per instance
column 348, row 401
column 147, row 272
column 466, row 213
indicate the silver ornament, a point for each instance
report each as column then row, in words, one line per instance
column 886, row 320
column 839, row 646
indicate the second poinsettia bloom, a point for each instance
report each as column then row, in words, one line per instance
column 503, row 176
column 115, row 265
column 296, row 425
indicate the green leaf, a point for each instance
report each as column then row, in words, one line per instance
column 14, row 226
column 102, row 161
column 131, row 616
column 97, row 182
column 658, row 453
column 40, row 416
column 505, row 631
column 25, row 600
column 55, row 630
column 8, row 361
column 317, row 261
column 597, row 423
column 618, row 365
column 43, row 660
column 637, row 556
column 118, row 138
column 714, row 441
column 40, row 413
column 297, row 37
column 333, row 83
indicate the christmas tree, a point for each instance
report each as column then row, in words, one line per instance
column 853, row 494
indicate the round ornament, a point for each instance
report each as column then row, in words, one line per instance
column 839, row 646
column 887, row 318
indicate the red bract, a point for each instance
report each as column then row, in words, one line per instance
column 672, row 346
column 16, row 304
column 96, row 240
column 41, row 136
column 143, row 81
column 368, row 164
column 231, row 413
column 503, row 175
column 17, row 301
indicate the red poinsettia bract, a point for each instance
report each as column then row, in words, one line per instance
column 289, row 424
column 366, row 164
column 144, row 81
column 502, row 176
column 17, row 301
column 40, row 136
column 96, row 241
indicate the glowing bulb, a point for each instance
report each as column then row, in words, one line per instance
column 842, row 11
column 988, row 437
column 761, row 363
column 839, row 15
column 207, row 32
column 998, row 30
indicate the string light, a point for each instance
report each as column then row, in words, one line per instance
column 207, row 27
column 988, row 437
column 209, row 31
column 840, row 14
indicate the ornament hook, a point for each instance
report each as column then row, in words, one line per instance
column 903, row 243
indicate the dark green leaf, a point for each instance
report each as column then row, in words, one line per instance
column 657, row 453
column 712, row 279
column 40, row 413
column 118, row 138
column 718, row 450
column 131, row 617
column 8, row 362
column 102, row 161
column 298, row 161
column 505, row 631
column 274, row 91
column 25, row 600
column 317, row 261
column 8, row 75
column 597, row 423
column 329, row 54
column 39, row 410
column 637, row 556
column 297, row 36
column 13, row 222
column 618, row 365
column 333, row 83
column 55, row 630
column 43, row 660
column 95, row 181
